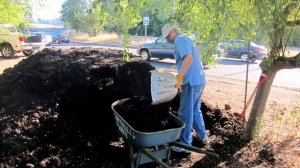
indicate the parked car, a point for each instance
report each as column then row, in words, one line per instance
column 159, row 49
column 60, row 38
column 12, row 41
column 38, row 37
column 47, row 39
column 239, row 49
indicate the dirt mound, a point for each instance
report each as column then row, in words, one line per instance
column 57, row 104
column 55, row 110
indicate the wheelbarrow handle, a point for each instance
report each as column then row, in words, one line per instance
column 194, row 149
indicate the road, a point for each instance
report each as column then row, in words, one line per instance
column 235, row 69
column 227, row 68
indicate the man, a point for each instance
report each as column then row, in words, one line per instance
column 191, row 82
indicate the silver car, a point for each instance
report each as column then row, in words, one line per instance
column 160, row 48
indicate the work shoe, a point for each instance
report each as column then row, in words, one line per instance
column 200, row 142
column 179, row 152
column 203, row 140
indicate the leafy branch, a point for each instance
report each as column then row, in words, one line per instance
column 293, row 25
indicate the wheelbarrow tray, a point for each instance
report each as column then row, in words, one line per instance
column 146, row 139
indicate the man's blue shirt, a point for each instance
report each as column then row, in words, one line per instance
column 184, row 46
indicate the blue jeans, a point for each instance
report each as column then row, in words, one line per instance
column 190, row 113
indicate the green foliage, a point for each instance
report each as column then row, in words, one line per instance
column 274, row 18
column 125, row 47
column 159, row 11
column 162, row 9
column 11, row 12
column 123, row 15
column 216, row 21
column 23, row 25
column 294, row 38
column 209, row 53
column 84, row 15
column 153, row 29
column 74, row 13
column 208, row 58
column 96, row 19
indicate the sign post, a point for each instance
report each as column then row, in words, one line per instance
column 27, row 15
column 146, row 23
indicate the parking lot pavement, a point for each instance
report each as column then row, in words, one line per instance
column 235, row 69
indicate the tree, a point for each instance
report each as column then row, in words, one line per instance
column 74, row 13
column 276, row 17
column 96, row 19
column 216, row 20
column 123, row 15
column 159, row 12
column 11, row 12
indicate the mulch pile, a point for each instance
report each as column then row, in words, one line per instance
column 55, row 111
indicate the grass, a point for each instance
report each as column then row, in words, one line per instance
column 288, row 52
column 103, row 37
column 99, row 38
column 284, row 124
column 283, row 131
column 291, row 53
column 112, row 37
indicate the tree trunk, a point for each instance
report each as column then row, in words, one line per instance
column 262, row 94
column 275, row 61
column 258, row 107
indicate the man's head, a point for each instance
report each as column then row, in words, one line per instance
column 169, row 32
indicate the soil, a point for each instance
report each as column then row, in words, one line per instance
column 143, row 117
column 56, row 104
column 276, row 125
column 55, row 111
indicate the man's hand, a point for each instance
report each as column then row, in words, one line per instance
column 179, row 81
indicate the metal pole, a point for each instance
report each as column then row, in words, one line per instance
column 145, row 33
column 246, row 87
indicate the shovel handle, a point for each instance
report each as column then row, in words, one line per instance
column 262, row 80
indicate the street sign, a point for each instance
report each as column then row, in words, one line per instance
column 27, row 15
column 146, row 21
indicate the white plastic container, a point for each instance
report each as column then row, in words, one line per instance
column 162, row 87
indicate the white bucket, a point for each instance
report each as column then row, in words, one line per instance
column 162, row 87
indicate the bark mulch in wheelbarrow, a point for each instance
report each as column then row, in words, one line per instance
column 55, row 111
column 143, row 117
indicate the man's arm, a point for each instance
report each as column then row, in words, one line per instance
column 187, row 62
